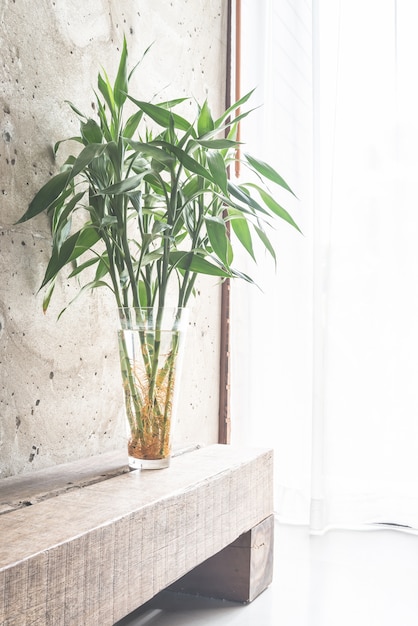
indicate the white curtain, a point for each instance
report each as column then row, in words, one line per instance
column 331, row 367
column 271, row 325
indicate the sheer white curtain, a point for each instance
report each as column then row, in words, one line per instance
column 271, row 327
column 366, row 331
column 332, row 354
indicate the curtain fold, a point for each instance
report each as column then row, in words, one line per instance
column 325, row 357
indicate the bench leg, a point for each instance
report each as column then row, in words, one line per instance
column 239, row 572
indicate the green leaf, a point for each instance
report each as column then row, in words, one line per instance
column 102, row 268
column 274, row 206
column 58, row 143
column 105, row 89
column 205, row 122
column 140, row 60
column 114, row 155
column 72, row 248
column 233, row 107
column 243, row 196
column 266, row 241
column 58, row 259
column 162, row 116
column 86, row 239
column 136, row 198
column 152, row 151
column 132, row 124
column 242, row 231
column 83, row 266
column 192, row 187
column 169, row 104
column 237, row 274
column 103, row 120
column 232, row 124
column 86, row 156
column 196, row 263
column 129, row 184
column 46, row 196
column 151, row 256
column 91, row 131
column 218, row 237
column 142, row 293
column 47, row 298
column 268, row 172
column 76, row 111
column 62, row 233
column 108, row 220
column 66, row 212
column 190, row 134
column 218, row 144
column 217, row 168
column 101, row 271
column 188, row 162
column 94, row 284
column 121, row 83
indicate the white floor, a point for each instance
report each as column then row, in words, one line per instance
column 343, row 578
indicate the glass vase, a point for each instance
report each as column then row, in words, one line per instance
column 150, row 348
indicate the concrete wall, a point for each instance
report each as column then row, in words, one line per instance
column 60, row 389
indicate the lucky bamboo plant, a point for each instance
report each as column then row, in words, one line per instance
column 154, row 207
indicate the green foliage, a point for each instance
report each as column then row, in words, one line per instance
column 153, row 198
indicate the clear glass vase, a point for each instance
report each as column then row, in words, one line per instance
column 150, row 349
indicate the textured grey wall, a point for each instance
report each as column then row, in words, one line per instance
column 60, row 390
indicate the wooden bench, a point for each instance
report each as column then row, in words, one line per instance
column 87, row 543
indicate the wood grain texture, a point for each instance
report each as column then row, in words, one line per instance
column 93, row 555
column 239, row 572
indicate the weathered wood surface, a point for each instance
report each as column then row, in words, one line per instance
column 239, row 572
column 91, row 556
column 20, row 491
